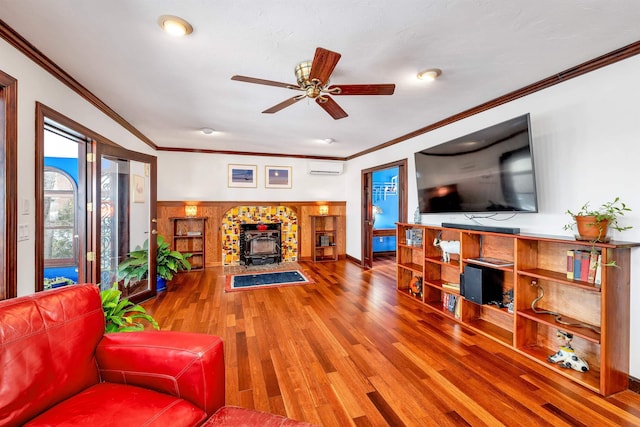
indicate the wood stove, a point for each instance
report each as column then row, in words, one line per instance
column 260, row 244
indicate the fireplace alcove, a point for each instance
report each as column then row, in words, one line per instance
column 276, row 218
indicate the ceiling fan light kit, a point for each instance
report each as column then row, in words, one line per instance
column 313, row 79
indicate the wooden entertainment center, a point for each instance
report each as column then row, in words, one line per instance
column 533, row 265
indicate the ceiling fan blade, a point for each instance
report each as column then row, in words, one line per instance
column 284, row 104
column 264, row 82
column 331, row 107
column 323, row 64
column 383, row 89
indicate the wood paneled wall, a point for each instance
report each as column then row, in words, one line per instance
column 213, row 211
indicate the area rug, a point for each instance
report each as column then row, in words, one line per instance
column 240, row 282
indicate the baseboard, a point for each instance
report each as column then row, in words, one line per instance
column 353, row 259
column 634, row 385
column 384, row 253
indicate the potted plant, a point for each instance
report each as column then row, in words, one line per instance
column 593, row 223
column 121, row 315
column 168, row 262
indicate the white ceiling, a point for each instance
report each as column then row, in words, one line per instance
column 169, row 88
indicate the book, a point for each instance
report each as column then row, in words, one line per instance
column 413, row 237
column 570, row 264
column 451, row 306
column 584, row 265
column 451, row 286
column 577, row 259
column 593, row 264
column 598, row 274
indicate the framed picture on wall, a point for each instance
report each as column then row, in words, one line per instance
column 138, row 189
column 277, row 177
column 243, row 176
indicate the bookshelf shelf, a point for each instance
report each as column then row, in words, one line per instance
column 534, row 270
column 589, row 379
column 325, row 229
column 550, row 320
column 189, row 237
column 558, row 277
column 487, row 328
column 413, row 267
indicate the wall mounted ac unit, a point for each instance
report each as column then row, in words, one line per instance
column 325, row 168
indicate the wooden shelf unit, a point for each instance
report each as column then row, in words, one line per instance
column 325, row 230
column 188, row 236
column 599, row 313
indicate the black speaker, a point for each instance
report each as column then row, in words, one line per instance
column 481, row 285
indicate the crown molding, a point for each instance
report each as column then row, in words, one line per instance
column 31, row 52
column 20, row 43
column 561, row 77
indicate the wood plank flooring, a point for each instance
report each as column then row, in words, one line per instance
column 350, row 350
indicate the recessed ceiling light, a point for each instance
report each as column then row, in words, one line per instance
column 430, row 74
column 174, row 25
column 328, row 140
column 207, row 131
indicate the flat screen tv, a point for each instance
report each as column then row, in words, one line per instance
column 490, row 170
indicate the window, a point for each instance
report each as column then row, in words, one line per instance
column 60, row 192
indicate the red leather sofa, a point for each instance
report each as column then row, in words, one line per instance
column 58, row 368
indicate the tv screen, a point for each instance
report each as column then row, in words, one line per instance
column 490, row 170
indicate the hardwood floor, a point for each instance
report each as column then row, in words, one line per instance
column 350, row 350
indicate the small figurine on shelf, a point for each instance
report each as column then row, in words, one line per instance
column 415, row 287
column 448, row 247
column 566, row 356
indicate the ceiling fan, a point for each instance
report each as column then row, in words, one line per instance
column 313, row 80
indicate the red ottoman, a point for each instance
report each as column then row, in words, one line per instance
column 235, row 416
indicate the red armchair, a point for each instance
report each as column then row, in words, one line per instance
column 57, row 367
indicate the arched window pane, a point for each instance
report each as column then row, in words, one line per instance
column 56, row 181
column 59, row 217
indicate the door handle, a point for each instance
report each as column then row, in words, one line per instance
column 154, row 231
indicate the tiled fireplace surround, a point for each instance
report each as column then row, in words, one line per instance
column 235, row 216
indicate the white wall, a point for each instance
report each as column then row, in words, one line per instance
column 197, row 176
column 586, row 136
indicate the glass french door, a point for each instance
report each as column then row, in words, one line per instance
column 95, row 202
column 61, row 203
column 126, row 216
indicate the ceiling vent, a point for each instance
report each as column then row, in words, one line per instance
column 325, row 168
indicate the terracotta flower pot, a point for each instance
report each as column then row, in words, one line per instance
column 591, row 229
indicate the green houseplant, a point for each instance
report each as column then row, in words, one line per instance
column 593, row 223
column 121, row 315
column 168, row 262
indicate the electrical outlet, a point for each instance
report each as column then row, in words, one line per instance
column 25, row 207
column 23, row 232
